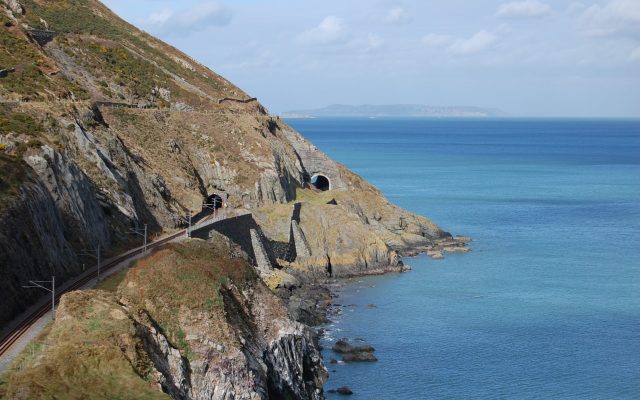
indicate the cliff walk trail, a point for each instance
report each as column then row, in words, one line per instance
column 15, row 337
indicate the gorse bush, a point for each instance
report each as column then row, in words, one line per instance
column 69, row 16
column 19, row 123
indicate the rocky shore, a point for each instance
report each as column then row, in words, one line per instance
column 314, row 303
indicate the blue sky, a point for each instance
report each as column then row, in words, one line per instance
column 528, row 58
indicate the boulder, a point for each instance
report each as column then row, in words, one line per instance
column 359, row 357
column 345, row 390
column 342, row 346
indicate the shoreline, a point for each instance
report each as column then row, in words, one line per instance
column 316, row 291
column 313, row 303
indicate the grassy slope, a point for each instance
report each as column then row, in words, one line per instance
column 182, row 284
column 91, row 29
column 93, row 351
column 90, row 352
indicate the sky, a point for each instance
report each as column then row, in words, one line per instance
column 551, row 58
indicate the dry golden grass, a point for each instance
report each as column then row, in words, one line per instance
column 180, row 285
column 91, row 352
column 93, row 349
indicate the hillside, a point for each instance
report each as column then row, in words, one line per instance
column 104, row 128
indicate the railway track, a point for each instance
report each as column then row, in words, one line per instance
column 12, row 337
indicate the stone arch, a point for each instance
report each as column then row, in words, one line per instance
column 320, row 182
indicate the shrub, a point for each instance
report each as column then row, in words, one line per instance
column 20, row 123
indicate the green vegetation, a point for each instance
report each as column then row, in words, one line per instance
column 14, row 49
column 91, row 18
column 29, row 81
column 19, row 123
column 111, row 283
column 181, row 279
column 117, row 64
column 69, row 16
column 16, row 52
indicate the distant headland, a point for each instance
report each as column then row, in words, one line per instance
column 395, row 110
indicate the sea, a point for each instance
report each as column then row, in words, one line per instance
column 547, row 303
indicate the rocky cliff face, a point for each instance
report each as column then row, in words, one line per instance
column 33, row 239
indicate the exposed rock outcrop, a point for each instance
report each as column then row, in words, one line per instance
column 33, row 238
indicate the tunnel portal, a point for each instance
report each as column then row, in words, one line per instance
column 214, row 202
column 320, row 182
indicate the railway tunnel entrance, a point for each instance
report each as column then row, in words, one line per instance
column 320, row 182
column 214, row 202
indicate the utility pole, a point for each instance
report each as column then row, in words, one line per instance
column 188, row 219
column 38, row 284
column 217, row 203
column 95, row 254
column 143, row 233
column 210, row 207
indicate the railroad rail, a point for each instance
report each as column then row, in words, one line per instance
column 13, row 336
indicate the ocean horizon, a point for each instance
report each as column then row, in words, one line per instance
column 547, row 304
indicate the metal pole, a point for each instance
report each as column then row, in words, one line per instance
column 145, row 238
column 187, row 231
column 53, row 297
column 98, row 263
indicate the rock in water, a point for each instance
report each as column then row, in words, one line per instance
column 342, row 346
column 359, row 357
column 345, row 390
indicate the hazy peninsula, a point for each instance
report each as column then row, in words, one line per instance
column 395, row 110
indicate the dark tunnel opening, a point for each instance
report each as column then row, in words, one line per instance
column 214, row 202
column 321, row 182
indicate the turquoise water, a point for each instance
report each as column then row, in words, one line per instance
column 547, row 306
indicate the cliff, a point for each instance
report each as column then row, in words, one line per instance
column 189, row 322
column 104, row 128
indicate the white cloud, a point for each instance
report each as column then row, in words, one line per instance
column 523, row 9
column 330, row 31
column 198, row 17
column 576, row 7
column 398, row 16
column 367, row 45
column 436, row 40
column 615, row 17
column 635, row 54
column 475, row 44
